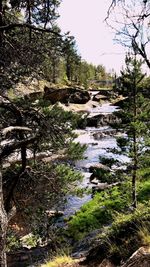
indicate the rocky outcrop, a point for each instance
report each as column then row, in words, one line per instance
column 98, row 97
column 104, row 133
column 104, row 92
column 103, row 186
column 27, row 257
column 66, row 95
column 102, row 120
column 140, row 258
column 98, row 166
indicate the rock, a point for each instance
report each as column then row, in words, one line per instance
column 94, row 181
column 66, row 95
column 98, row 166
column 48, row 90
column 82, row 247
column 121, row 101
column 101, row 134
column 106, row 263
column 99, row 97
column 79, row 97
column 28, row 257
column 54, row 213
column 103, row 186
column 33, row 96
column 140, row 258
column 102, row 120
column 56, row 95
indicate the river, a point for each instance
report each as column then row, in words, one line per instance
column 97, row 146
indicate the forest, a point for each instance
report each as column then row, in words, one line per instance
column 75, row 141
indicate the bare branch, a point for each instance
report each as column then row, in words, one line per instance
column 14, row 128
column 10, row 148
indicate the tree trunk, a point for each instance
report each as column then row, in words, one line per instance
column 53, row 71
column 68, row 69
column 135, row 159
column 1, row 23
column 134, row 175
column 3, row 227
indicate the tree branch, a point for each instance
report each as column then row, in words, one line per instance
column 10, row 148
column 26, row 25
column 14, row 128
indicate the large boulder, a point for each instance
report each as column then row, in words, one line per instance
column 98, row 166
column 79, row 97
column 102, row 120
column 56, row 95
column 33, row 96
column 98, row 97
column 66, row 95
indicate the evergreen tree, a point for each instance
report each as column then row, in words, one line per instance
column 134, row 117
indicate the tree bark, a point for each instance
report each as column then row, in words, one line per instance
column 3, row 227
column 135, row 160
column 134, row 176
column 1, row 24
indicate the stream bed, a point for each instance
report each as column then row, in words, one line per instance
column 97, row 146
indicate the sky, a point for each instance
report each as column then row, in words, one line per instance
column 85, row 21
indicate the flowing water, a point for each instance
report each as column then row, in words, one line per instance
column 96, row 147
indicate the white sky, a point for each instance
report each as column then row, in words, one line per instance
column 85, row 21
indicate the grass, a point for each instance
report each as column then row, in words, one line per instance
column 98, row 212
column 144, row 235
column 124, row 236
column 61, row 261
column 102, row 209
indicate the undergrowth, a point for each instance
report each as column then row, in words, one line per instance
column 103, row 208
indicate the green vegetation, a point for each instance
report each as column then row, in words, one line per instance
column 134, row 116
column 127, row 233
column 60, row 261
column 98, row 212
column 34, row 52
column 75, row 151
column 104, row 207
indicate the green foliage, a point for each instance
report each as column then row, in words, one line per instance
column 108, row 161
column 127, row 233
column 134, row 116
column 110, row 206
column 75, row 151
column 104, row 175
column 98, row 212
column 143, row 190
column 123, row 143
column 67, row 175
column 13, row 241
column 71, row 119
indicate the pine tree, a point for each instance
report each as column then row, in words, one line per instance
column 134, row 117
